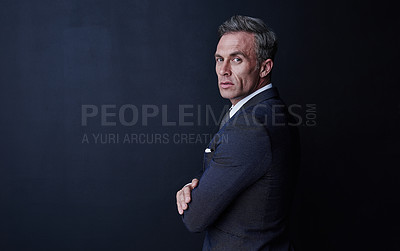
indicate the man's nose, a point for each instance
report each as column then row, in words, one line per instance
column 225, row 69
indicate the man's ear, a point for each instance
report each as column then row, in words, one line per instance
column 266, row 67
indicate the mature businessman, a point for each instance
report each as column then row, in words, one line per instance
column 242, row 198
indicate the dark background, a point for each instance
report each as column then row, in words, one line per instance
column 57, row 193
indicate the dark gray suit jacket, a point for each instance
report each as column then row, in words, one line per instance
column 244, row 195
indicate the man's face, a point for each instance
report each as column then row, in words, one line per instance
column 236, row 66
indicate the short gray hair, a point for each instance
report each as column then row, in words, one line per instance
column 265, row 38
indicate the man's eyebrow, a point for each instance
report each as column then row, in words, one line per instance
column 235, row 53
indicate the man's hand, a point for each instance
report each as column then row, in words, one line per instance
column 183, row 196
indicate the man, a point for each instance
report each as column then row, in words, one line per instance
column 243, row 196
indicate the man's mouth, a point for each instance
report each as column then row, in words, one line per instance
column 225, row 84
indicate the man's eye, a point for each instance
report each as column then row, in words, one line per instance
column 237, row 60
column 219, row 59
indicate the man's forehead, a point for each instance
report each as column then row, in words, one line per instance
column 236, row 41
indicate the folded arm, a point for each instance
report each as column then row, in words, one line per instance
column 236, row 164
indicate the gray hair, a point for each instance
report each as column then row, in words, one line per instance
column 266, row 43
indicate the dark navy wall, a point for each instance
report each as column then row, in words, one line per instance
column 337, row 63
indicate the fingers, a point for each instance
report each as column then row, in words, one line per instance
column 187, row 193
column 183, row 196
column 195, row 182
column 187, row 190
column 179, row 200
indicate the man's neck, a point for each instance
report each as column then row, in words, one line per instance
column 243, row 101
column 259, row 86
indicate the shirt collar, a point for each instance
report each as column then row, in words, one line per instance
column 235, row 108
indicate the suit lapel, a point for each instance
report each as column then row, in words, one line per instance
column 267, row 94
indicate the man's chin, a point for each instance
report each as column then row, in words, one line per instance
column 226, row 94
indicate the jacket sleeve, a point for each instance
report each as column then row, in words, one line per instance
column 237, row 162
